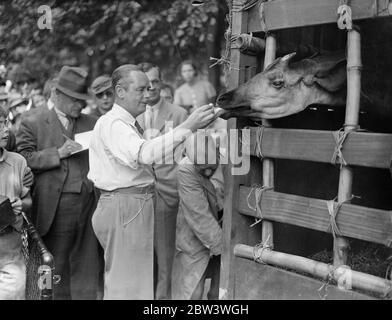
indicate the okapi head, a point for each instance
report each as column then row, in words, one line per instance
column 286, row 87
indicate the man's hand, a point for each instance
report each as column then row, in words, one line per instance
column 201, row 117
column 17, row 206
column 68, row 148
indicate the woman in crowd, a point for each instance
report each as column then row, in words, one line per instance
column 194, row 92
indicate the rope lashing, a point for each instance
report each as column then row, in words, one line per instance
column 340, row 137
column 258, row 191
column 220, row 61
column 330, row 280
column 333, row 210
column 225, row 58
column 258, row 145
column 388, row 276
column 325, row 285
column 243, row 5
column 259, row 249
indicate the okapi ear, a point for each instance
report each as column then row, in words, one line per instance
column 332, row 78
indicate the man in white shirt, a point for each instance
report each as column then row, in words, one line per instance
column 121, row 166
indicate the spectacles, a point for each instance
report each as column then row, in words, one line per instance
column 108, row 93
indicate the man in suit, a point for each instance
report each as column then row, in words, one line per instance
column 63, row 198
column 159, row 117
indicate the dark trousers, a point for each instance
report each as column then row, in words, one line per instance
column 75, row 248
column 212, row 272
column 164, row 244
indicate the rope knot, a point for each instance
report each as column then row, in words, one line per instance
column 333, row 210
column 258, row 191
column 340, row 137
column 259, row 249
column 259, row 138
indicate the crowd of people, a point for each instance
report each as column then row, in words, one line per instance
column 120, row 220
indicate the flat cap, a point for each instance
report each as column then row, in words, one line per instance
column 101, row 84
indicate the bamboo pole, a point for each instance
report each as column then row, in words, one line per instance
column 341, row 245
column 341, row 274
column 268, row 164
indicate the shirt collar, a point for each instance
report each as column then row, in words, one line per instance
column 157, row 105
column 123, row 114
column 4, row 156
column 59, row 112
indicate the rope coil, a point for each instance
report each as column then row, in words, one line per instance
column 258, row 191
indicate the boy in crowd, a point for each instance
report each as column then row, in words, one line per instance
column 199, row 232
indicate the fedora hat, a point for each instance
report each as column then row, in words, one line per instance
column 72, row 81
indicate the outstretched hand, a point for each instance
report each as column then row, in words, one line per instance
column 201, row 117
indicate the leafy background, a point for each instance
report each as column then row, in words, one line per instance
column 101, row 35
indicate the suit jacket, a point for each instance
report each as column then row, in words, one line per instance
column 38, row 139
column 166, row 179
column 198, row 234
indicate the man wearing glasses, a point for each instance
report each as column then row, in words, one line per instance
column 103, row 94
column 64, row 199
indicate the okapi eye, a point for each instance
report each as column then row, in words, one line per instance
column 278, row 84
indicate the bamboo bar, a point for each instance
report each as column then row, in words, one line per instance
column 340, row 274
column 268, row 164
column 341, row 245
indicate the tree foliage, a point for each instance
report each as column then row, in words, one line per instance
column 101, row 35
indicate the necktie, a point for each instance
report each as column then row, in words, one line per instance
column 71, row 123
column 139, row 128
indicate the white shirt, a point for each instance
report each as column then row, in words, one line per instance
column 150, row 116
column 152, row 113
column 120, row 157
column 62, row 117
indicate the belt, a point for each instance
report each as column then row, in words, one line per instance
column 150, row 189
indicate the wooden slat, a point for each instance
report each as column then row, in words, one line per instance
column 360, row 149
column 254, row 281
column 282, row 14
column 353, row 221
column 235, row 226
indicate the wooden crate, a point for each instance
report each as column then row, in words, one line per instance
column 244, row 279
